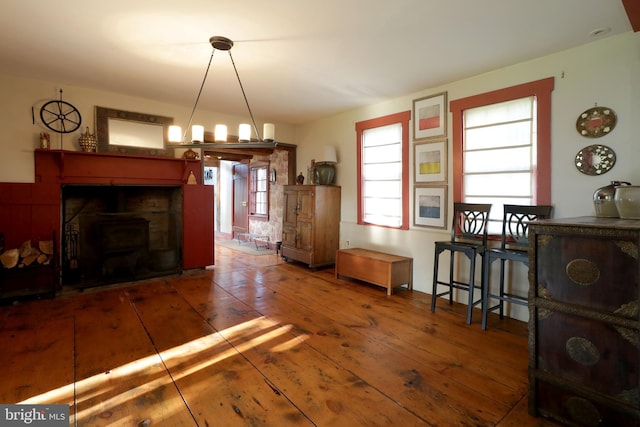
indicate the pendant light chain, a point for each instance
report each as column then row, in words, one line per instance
column 206, row 73
column 255, row 128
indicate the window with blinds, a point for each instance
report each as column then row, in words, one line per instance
column 383, row 172
column 382, row 175
column 499, row 155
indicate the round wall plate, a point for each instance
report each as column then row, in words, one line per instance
column 596, row 122
column 595, row 159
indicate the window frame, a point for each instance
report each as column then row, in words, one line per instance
column 403, row 119
column 253, row 167
column 541, row 89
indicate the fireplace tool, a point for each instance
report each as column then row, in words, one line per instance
column 71, row 249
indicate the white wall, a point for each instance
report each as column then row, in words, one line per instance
column 603, row 72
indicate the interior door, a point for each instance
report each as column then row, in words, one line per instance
column 240, row 221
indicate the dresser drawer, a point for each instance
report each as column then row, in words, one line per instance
column 598, row 273
column 590, row 354
column 577, row 409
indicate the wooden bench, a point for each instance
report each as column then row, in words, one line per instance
column 378, row 268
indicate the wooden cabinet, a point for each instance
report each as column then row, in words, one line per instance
column 311, row 224
column 584, row 330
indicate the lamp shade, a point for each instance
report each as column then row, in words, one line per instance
column 197, row 133
column 269, row 132
column 175, row 133
column 220, row 133
column 244, row 132
column 329, row 155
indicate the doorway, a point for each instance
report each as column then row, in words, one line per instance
column 240, row 214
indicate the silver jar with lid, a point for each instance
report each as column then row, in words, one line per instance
column 604, row 200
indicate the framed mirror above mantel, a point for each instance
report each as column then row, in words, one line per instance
column 128, row 132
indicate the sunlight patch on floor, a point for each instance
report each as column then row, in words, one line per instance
column 181, row 361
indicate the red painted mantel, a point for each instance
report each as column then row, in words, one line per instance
column 32, row 211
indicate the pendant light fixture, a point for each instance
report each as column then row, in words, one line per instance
column 197, row 132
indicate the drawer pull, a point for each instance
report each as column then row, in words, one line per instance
column 583, row 351
column 583, row 272
column 583, row 412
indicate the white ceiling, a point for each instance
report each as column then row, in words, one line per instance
column 298, row 60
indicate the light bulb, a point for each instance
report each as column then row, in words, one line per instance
column 269, row 132
column 244, row 133
column 175, row 133
column 197, row 133
column 220, row 133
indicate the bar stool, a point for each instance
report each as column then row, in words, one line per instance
column 514, row 246
column 469, row 237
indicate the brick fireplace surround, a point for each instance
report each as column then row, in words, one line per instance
column 33, row 210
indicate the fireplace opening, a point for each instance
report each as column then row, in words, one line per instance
column 120, row 233
column 124, row 242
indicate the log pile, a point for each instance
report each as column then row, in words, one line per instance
column 27, row 254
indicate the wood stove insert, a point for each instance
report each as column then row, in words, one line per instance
column 124, row 233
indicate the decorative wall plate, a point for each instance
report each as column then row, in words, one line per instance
column 596, row 122
column 595, row 159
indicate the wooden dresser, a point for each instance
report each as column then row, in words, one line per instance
column 584, row 338
column 311, row 224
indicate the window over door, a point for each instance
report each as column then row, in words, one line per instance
column 383, row 177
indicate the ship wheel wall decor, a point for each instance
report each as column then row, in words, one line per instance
column 60, row 116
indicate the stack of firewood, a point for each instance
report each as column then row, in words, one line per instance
column 27, row 254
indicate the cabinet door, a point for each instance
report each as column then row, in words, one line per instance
column 305, row 236
column 289, row 220
column 198, row 234
column 305, row 219
column 306, row 204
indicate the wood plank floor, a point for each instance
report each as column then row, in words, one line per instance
column 255, row 341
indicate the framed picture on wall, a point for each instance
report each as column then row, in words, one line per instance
column 430, row 206
column 430, row 117
column 430, row 162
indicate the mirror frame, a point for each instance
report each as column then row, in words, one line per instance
column 102, row 116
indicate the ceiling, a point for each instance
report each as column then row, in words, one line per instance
column 298, row 60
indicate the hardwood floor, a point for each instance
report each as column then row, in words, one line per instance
column 258, row 342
